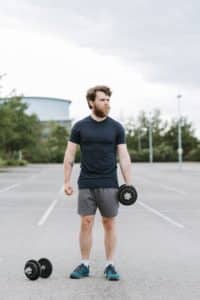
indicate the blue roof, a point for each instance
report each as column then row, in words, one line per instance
column 46, row 98
column 47, row 108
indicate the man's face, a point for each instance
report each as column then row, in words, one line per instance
column 101, row 104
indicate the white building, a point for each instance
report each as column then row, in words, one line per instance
column 49, row 109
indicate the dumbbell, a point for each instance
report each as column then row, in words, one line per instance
column 34, row 269
column 127, row 194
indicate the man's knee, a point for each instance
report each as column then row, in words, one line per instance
column 87, row 223
column 108, row 223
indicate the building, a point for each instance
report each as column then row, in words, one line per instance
column 47, row 110
column 50, row 109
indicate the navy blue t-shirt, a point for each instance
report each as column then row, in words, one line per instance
column 98, row 142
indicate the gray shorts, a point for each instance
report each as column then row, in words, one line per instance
column 105, row 199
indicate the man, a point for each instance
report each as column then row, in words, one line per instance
column 101, row 139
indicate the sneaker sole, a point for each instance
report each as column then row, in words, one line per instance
column 113, row 279
column 76, row 277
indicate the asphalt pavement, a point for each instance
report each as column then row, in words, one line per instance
column 158, row 251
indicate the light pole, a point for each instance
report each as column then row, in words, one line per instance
column 150, row 140
column 180, row 149
column 139, row 140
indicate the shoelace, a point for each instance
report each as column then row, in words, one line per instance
column 79, row 268
column 112, row 269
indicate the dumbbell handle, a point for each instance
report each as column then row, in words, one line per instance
column 28, row 271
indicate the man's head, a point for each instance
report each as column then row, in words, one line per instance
column 98, row 99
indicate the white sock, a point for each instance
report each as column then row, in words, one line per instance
column 85, row 262
column 109, row 262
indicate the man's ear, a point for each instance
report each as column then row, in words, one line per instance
column 91, row 103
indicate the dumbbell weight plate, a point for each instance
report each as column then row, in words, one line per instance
column 46, row 267
column 127, row 195
column 32, row 269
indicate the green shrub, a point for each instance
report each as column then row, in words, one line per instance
column 193, row 155
column 37, row 154
column 2, row 162
column 141, row 156
column 161, row 153
column 164, row 153
column 22, row 162
column 15, row 162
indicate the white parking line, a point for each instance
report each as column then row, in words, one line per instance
column 164, row 186
column 156, row 212
column 36, row 175
column 172, row 189
column 20, row 183
column 49, row 209
column 10, row 187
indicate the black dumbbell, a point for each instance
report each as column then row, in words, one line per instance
column 127, row 194
column 34, row 269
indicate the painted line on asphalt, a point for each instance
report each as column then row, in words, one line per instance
column 164, row 186
column 156, row 212
column 50, row 208
column 36, row 175
column 10, row 187
column 20, row 183
column 172, row 189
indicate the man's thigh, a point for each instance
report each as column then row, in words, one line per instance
column 86, row 202
column 107, row 201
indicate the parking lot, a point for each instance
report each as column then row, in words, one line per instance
column 158, row 252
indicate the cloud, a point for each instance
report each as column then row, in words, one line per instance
column 147, row 51
column 160, row 39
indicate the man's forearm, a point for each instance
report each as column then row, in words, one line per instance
column 126, row 169
column 68, row 165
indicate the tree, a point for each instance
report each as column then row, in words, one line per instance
column 56, row 142
column 189, row 141
column 164, row 138
column 137, row 133
column 17, row 129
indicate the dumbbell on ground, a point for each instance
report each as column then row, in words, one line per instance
column 34, row 269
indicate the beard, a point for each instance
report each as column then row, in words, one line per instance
column 101, row 113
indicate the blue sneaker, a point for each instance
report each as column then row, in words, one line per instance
column 80, row 272
column 111, row 273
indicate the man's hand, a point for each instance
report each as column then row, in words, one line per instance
column 68, row 189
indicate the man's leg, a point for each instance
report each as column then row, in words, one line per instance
column 85, row 241
column 85, row 236
column 110, row 238
column 110, row 246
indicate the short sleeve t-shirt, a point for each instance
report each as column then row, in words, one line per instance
column 98, row 142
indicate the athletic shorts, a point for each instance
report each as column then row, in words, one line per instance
column 105, row 199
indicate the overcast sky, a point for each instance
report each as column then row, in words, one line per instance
column 146, row 51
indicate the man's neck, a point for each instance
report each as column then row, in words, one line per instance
column 96, row 118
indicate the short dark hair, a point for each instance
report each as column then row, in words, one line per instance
column 91, row 93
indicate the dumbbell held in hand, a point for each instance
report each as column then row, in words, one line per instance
column 127, row 194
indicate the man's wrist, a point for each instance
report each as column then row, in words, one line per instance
column 128, row 182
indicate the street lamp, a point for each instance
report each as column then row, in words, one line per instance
column 150, row 140
column 180, row 149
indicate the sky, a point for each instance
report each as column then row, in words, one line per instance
column 146, row 51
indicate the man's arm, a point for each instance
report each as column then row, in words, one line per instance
column 125, row 163
column 68, row 165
